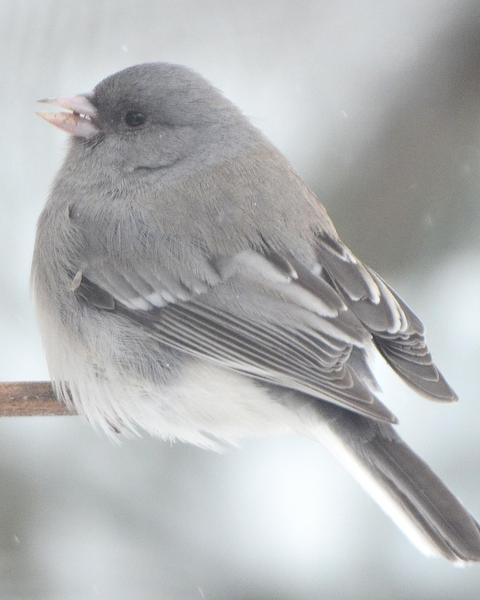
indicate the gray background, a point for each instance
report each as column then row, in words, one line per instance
column 377, row 104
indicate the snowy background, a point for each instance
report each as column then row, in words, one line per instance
column 377, row 104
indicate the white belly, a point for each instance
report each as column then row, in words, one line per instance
column 207, row 406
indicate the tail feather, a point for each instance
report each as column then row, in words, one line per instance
column 403, row 484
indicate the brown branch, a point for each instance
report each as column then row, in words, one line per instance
column 28, row 399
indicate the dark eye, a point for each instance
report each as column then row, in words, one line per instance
column 134, row 118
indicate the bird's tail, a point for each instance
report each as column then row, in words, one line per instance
column 404, row 486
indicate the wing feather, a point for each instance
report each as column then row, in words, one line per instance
column 312, row 339
column 311, row 354
column 397, row 332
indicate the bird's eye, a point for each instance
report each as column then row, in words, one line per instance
column 134, row 118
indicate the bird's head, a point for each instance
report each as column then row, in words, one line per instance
column 149, row 117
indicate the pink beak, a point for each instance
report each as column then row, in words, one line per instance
column 79, row 122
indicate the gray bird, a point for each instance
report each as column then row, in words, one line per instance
column 190, row 285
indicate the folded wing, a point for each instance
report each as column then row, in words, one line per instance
column 397, row 332
column 267, row 315
column 310, row 342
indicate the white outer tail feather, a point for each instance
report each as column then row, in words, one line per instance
column 354, row 466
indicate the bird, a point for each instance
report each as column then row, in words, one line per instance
column 189, row 285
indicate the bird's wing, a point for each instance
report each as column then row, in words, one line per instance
column 270, row 317
column 397, row 332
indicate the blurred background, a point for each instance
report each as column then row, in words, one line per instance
column 377, row 104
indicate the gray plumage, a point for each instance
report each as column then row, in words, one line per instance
column 190, row 285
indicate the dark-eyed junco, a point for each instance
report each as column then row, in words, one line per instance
column 190, row 285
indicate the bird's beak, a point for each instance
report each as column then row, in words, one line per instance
column 80, row 121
